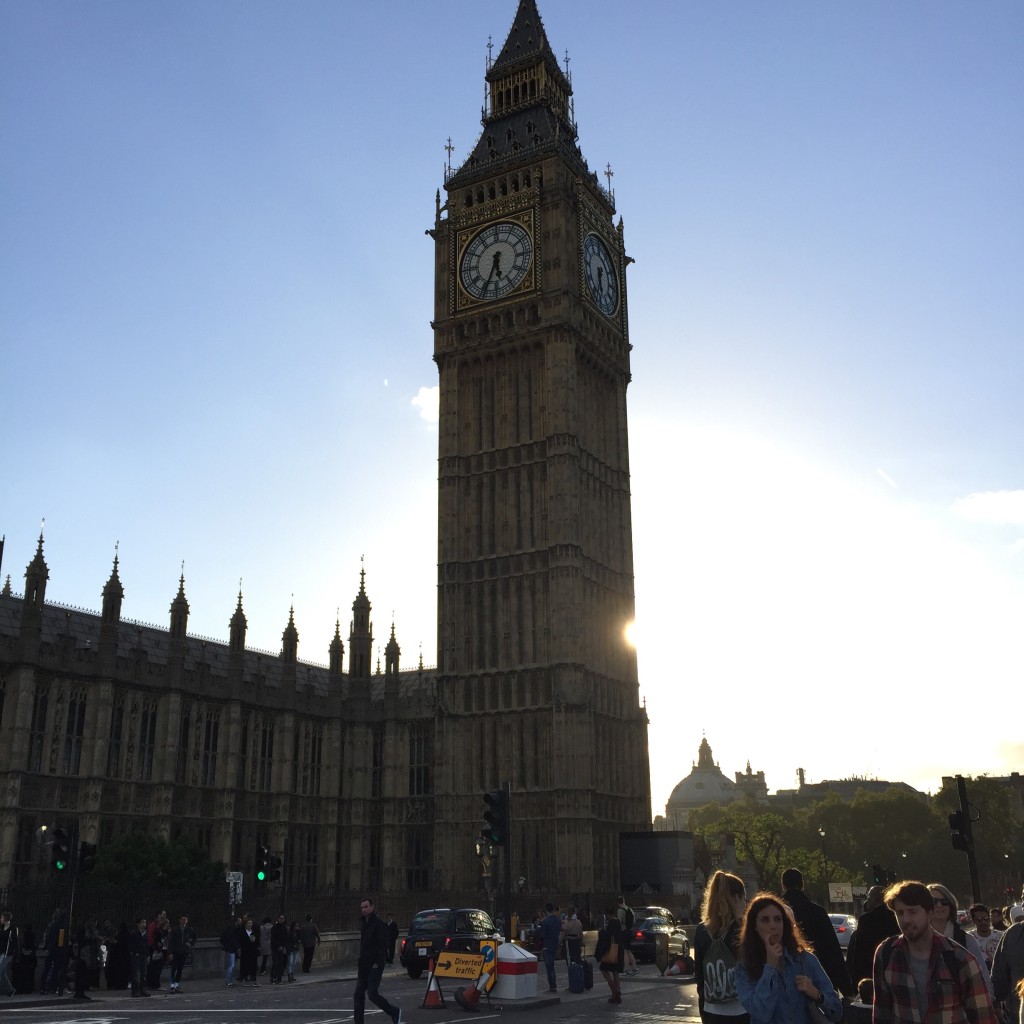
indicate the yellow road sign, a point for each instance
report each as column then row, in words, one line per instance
column 489, row 955
column 459, row 965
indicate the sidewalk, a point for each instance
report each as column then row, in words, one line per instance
column 105, row 997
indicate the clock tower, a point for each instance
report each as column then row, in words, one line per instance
column 536, row 681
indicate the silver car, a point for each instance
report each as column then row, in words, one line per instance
column 845, row 925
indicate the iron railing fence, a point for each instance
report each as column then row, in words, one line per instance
column 33, row 903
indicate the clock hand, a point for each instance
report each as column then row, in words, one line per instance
column 487, row 283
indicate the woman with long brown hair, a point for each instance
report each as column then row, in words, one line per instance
column 778, row 978
column 715, row 950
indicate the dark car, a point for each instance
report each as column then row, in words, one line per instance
column 433, row 931
column 644, row 944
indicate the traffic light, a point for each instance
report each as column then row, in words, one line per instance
column 86, row 857
column 496, row 816
column 262, row 865
column 60, row 850
column 959, row 831
column 878, row 873
column 274, row 868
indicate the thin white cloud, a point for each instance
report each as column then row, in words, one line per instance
column 1001, row 508
column 426, row 400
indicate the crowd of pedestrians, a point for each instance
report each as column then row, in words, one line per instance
column 95, row 955
column 769, row 959
column 776, row 959
column 251, row 949
column 150, row 955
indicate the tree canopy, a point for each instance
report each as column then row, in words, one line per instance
column 140, row 858
column 834, row 840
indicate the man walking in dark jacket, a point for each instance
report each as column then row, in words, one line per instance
column 279, row 939
column 877, row 923
column 373, row 954
column 815, row 924
column 182, row 939
column 229, row 943
column 139, row 950
column 310, row 935
column 550, row 931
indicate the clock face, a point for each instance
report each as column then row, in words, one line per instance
column 496, row 260
column 600, row 274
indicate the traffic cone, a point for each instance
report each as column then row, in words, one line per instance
column 468, row 998
column 432, row 1000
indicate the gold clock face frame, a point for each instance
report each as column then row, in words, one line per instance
column 496, row 260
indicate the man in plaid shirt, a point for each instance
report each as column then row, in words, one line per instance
column 921, row 977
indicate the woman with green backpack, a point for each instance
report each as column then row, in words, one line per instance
column 715, row 947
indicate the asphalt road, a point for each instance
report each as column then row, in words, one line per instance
column 325, row 997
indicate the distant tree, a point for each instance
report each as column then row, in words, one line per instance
column 758, row 839
column 140, row 858
column 896, row 830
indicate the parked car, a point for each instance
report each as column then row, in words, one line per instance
column 433, row 931
column 845, row 925
column 644, row 944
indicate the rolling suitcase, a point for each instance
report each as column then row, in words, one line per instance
column 576, row 982
column 588, row 974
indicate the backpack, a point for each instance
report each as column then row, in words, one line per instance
column 719, row 962
column 629, row 918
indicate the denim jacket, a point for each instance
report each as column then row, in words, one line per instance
column 774, row 998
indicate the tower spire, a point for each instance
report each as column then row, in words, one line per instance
column 36, row 575
column 392, row 652
column 179, row 609
column 290, row 638
column 360, row 637
column 238, row 626
column 336, row 652
column 113, row 593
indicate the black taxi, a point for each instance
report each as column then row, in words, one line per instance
column 434, row 931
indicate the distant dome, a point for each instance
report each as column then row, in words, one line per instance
column 705, row 784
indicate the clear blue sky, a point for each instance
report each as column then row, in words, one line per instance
column 216, row 294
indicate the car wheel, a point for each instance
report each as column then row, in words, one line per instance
column 415, row 972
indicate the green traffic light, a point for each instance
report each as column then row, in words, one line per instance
column 261, row 876
column 59, row 865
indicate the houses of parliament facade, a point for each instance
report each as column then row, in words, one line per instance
column 371, row 779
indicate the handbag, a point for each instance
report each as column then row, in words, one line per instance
column 611, row 958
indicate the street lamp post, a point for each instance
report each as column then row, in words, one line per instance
column 824, row 863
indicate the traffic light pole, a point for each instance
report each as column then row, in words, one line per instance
column 506, row 858
column 66, row 951
column 965, row 815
